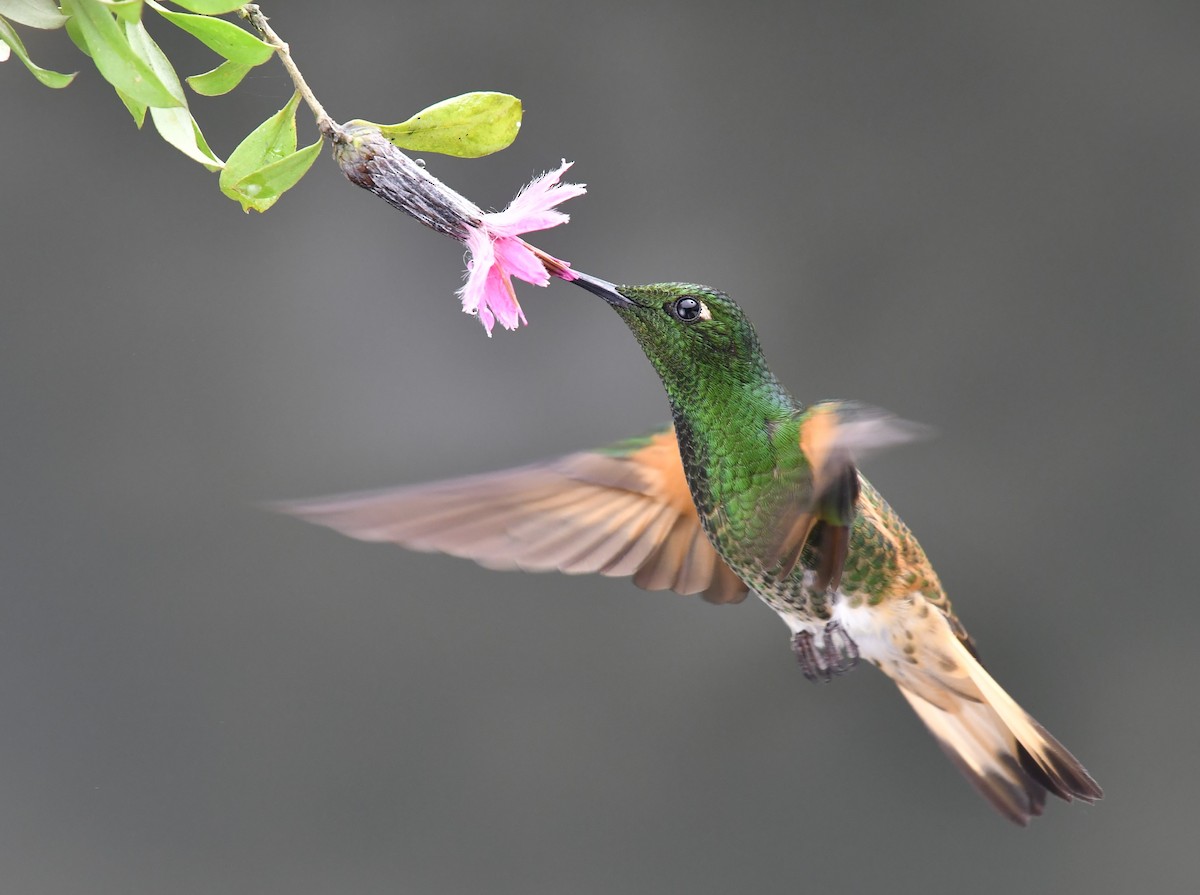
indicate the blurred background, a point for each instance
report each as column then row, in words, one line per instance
column 981, row 218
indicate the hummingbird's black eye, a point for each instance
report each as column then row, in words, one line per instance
column 688, row 308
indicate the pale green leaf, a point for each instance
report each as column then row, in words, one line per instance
column 34, row 13
column 116, row 60
column 209, row 7
column 136, row 109
column 4, row 51
column 175, row 124
column 126, row 10
column 467, row 126
column 262, row 188
column 45, row 75
column 220, row 80
column 179, row 128
column 77, row 37
column 271, row 141
column 149, row 52
column 223, row 38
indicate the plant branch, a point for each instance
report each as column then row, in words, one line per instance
column 325, row 124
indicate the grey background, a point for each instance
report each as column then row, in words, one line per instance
column 981, row 218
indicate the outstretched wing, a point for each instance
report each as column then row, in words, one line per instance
column 624, row 510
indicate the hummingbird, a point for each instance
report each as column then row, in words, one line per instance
column 747, row 491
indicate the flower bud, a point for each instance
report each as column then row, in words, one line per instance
column 369, row 160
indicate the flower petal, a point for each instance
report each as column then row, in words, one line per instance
column 502, row 300
column 474, row 291
column 488, row 292
column 517, row 258
column 534, row 206
column 497, row 253
column 556, row 267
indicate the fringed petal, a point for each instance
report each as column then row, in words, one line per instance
column 535, row 206
column 497, row 253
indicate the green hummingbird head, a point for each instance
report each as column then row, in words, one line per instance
column 695, row 336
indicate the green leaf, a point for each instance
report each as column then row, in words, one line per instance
column 115, row 58
column 262, row 189
column 179, row 128
column 266, row 163
column 126, row 10
column 155, row 59
column 77, row 37
column 271, row 141
column 220, row 80
column 467, row 126
column 223, row 38
column 175, row 124
column 209, row 7
column 45, row 75
column 34, row 13
column 136, row 109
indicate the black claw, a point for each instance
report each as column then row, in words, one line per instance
column 806, row 655
column 836, row 655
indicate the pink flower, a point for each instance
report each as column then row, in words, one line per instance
column 494, row 238
column 498, row 253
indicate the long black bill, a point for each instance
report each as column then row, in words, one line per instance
column 603, row 288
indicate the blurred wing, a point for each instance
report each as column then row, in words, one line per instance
column 833, row 436
column 619, row 511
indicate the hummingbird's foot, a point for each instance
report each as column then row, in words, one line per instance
column 835, row 654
